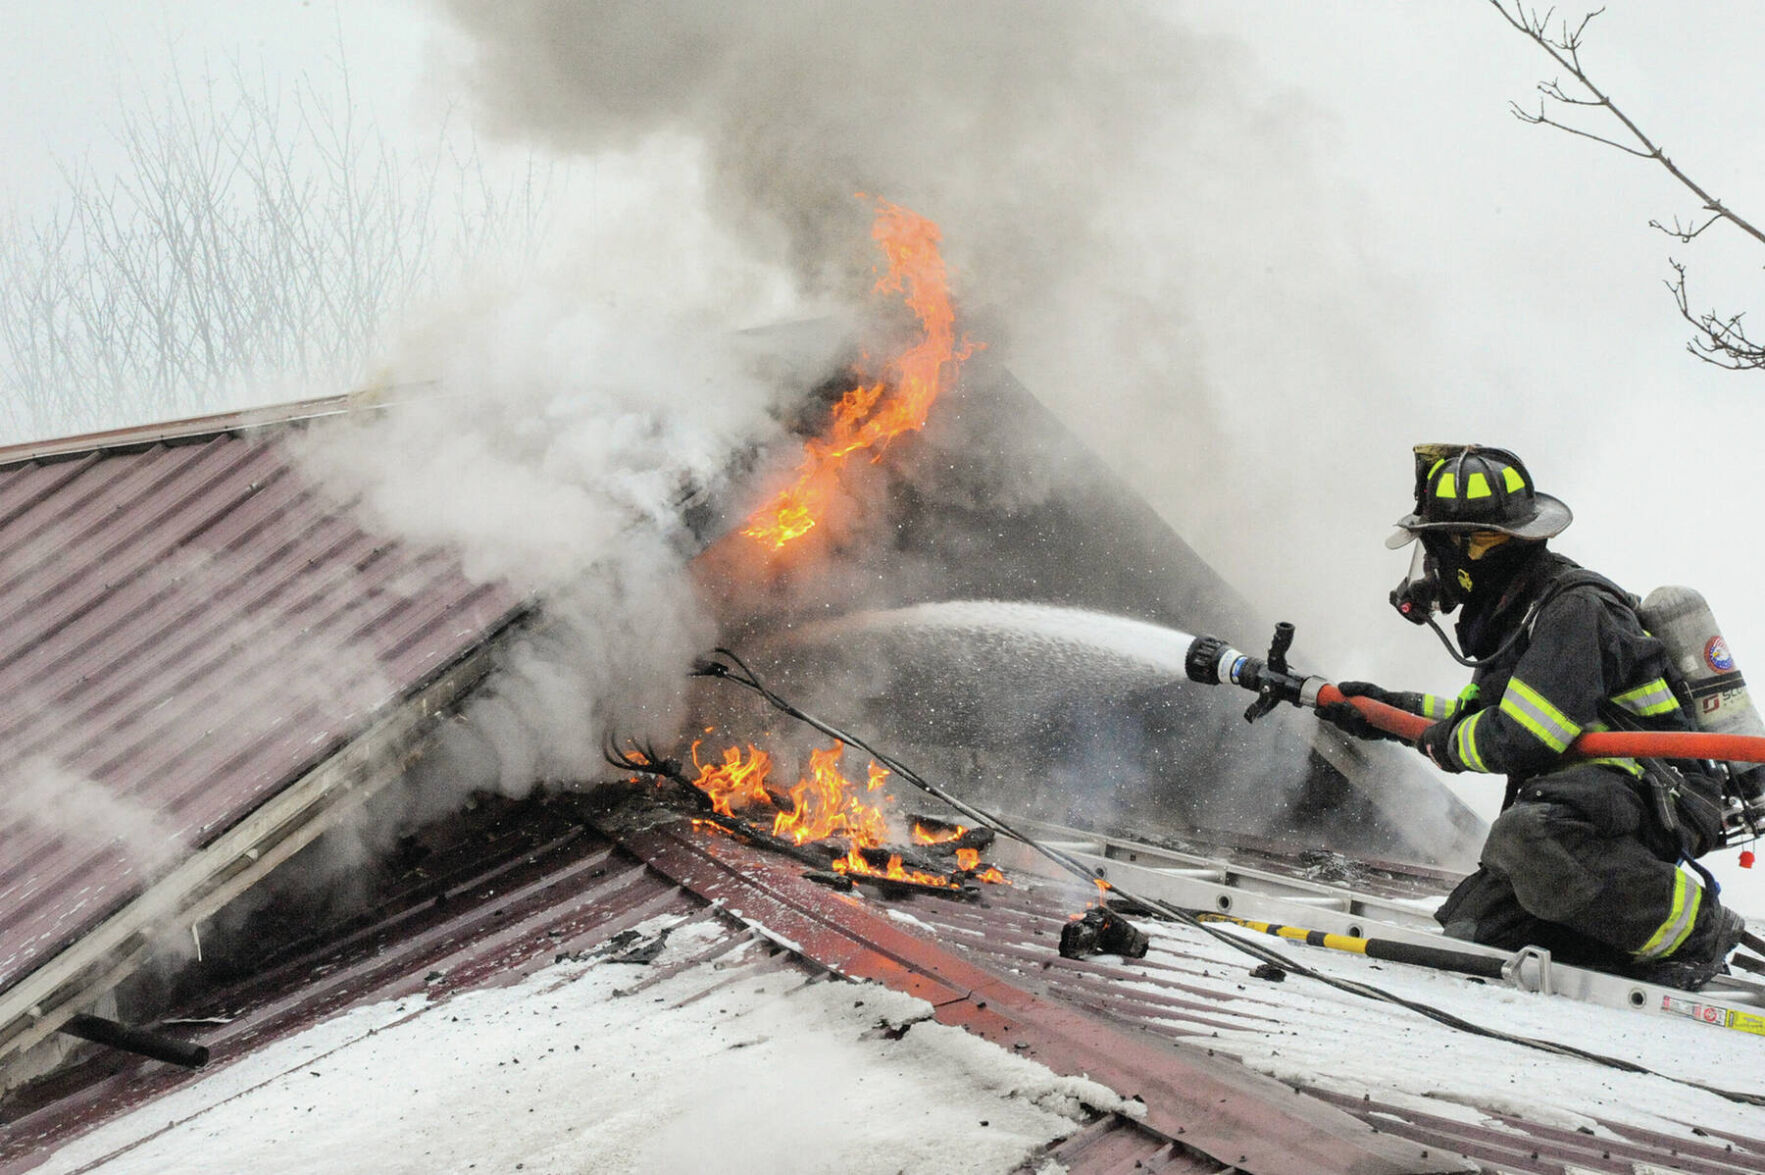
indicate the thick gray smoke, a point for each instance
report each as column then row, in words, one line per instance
column 1130, row 209
column 559, row 456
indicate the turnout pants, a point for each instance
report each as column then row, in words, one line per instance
column 1580, row 866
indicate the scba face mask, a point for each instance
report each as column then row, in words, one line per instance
column 1435, row 582
column 1446, row 568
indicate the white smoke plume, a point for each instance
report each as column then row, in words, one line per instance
column 1102, row 180
column 1133, row 208
column 559, row 455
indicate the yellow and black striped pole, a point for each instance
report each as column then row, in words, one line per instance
column 1464, row 962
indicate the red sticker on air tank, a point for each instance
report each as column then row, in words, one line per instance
column 1717, row 656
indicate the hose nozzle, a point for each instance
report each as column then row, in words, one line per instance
column 1212, row 661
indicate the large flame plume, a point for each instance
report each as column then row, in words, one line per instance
column 868, row 416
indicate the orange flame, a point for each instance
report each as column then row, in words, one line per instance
column 825, row 804
column 854, row 862
column 923, row 835
column 865, row 417
column 738, row 782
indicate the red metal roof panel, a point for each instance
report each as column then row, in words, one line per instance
column 184, row 630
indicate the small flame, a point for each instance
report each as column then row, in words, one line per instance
column 867, row 417
column 854, row 862
column 926, row 835
column 738, row 782
column 967, row 858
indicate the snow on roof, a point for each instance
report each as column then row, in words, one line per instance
column 453, row 1028
column 584, row 1066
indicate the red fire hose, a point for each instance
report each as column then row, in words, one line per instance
column 1604, row 744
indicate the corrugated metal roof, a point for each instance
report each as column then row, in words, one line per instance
column 515, row 887
column 1182, row 1029
column 1192, row 991
column 1206, row 1102
column 186, row 629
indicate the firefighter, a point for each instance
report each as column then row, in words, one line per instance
column 1585, row 858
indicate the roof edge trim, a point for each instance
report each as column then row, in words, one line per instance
column 243, row 420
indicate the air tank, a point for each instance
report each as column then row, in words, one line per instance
column 1681, row 620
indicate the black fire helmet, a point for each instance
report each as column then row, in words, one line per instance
column 1472, row 487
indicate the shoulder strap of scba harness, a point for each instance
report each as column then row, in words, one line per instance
column 1576, row 577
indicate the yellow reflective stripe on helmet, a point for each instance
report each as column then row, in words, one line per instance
column 1650, row 698
column 1529, row 708
column 1511, row 478
column 1465, row 742
column 1477, row 486
column 1680, row 919
column 1435, row 706
column 1447, row 486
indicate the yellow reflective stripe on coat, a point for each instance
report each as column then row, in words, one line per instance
column 1647, row 700
column 1680, row 919
column 1530, row 709
column 1435, row 706
column 1465, row 742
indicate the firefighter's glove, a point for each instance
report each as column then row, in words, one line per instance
column 1436, row 742
column 1406, row 700
column 1350, row 721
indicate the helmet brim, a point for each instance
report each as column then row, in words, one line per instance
column 1551, row 518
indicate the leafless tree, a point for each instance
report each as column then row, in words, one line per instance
column 252, row 232
column 1584, row 108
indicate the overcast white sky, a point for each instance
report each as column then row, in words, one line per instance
column 1524, row 306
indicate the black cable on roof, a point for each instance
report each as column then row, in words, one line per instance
column 737, row 671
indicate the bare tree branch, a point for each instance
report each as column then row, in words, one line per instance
column 1720, row 339
column 1681, row 232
